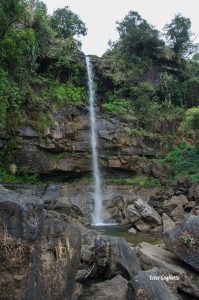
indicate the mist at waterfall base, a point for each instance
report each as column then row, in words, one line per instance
column 97, row 219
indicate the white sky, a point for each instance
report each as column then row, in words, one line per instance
column 100, row 16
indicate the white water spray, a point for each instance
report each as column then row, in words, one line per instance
column 97, row 220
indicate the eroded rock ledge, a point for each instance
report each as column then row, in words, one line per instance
column 64, row 149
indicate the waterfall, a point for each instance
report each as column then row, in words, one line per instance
column 95, row 167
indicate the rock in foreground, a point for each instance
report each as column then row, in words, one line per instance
column 183, row 241
column 142, row 287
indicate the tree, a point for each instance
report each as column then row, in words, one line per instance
column 11, row 12
column 138, row 37
column 67, row 23
column 178, row 34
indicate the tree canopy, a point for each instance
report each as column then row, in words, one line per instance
column 66, row 23
column 179, row 36
column 36, row 50
column 138, row 37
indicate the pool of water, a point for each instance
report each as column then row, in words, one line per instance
column 134, row 239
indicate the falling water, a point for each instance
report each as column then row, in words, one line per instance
column 95, row 167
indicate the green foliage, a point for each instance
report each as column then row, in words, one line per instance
column 7, row 177
column 137, row 37
column 183, row 160
column 171, row 89
column 38, row 70
column 63, row 93
column 191, row 120
column 11, row 13
column 143, row 181
column 138, row 55
column 66, row 23
column 190, row 84
column 119, row 106
column 187, row 239
column 179, row 35
column 10, row 96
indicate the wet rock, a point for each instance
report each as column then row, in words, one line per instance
column 183, row 241
column 132, row 231
column 143, row 226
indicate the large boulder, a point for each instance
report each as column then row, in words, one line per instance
column 147, row 212
column 145, row 286
column 55, row 260
column 112, row 256
column 39, row 250
column 123, row 259
column 20, row 214
column 153, row 256
column 174, row 202
column 113, row 289
column 143, row 215
column 183, row 241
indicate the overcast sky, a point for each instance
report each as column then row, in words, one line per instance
column 100, row 16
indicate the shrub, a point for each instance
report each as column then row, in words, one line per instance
column 183, row 160
column 7, row 177
column 191, row 120
column 62, row 93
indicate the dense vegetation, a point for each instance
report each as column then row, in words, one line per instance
column 40, row 68
column 149, row 76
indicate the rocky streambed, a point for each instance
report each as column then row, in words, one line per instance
column 48, row 250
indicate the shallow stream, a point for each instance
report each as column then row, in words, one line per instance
column 135, row 239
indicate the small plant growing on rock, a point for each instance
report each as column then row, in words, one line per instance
column 187, row 239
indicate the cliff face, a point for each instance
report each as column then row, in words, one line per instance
column 64, row 149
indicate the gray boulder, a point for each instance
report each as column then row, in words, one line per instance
column 183, row 241
column 153, row 256
column 145, row 286
column 40, row 251
column 114, row 289
column 143, row 215
column 123, row 259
